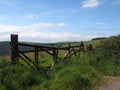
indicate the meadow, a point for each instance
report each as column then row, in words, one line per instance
column 83, row 73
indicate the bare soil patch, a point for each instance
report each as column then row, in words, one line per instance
column 110, row 83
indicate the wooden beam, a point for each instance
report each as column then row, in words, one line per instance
column 24, row 60
column 48, row 47
column 55, row 56
column 67, row 54
column 29, row 59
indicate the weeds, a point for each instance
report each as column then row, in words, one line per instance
column 74, row 74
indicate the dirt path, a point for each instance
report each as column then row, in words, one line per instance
column 111, row 83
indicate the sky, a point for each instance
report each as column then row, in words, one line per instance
column 59, row 20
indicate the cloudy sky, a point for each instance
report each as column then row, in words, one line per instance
column 59, row 20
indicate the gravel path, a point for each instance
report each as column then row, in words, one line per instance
column 111, row 83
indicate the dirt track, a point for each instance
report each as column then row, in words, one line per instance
column 111, row 83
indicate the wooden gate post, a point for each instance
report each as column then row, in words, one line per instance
column 55, row 54
column 14, row 48
column 36, row 55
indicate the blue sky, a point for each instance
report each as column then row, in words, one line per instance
column 59, row 20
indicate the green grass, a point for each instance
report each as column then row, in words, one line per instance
column 81, row 73
column 69, row 74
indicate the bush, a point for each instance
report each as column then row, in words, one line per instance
column 76, row 75
column 18, row 77
column 107, row 59
column 110, row 47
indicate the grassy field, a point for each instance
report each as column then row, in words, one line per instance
column 82, row 73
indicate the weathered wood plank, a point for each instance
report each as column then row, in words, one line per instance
column 49, row 47
column 14, row 48
column 29, row 59
column 24, row 60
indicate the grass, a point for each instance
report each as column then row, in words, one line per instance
column 81, row 73
column 18, row 77
column 70, row 74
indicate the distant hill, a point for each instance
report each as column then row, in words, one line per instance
column 99, row 38
column 4, row 48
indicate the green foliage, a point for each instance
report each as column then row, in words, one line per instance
column 74, row 74
column 18, row 77
column 110, row 47
column 70, row 74
column 107, row 58
column 70, row 79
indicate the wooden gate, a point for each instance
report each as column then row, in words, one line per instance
column 50, row 49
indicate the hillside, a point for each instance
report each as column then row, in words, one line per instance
column 82, row 73
column 4, row 48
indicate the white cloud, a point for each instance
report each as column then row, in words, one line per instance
column 49, row 36
column 33, row 27
column 97, row 22
column 55, row 37
column 90, row 3
column 31, row 16
column 62, row 12
column 35, row 32
column 39, row 26
column 53, row 12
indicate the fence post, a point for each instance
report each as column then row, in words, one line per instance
column 36, row 55
column 14, row 48
column 55, row 52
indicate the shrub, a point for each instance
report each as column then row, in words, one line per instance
column 107, row 58
column 18, row 77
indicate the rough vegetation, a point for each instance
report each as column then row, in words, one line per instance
column 74, row 74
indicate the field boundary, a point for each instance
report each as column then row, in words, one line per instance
column 50, row 49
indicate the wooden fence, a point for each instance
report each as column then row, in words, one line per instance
column 50, row 49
